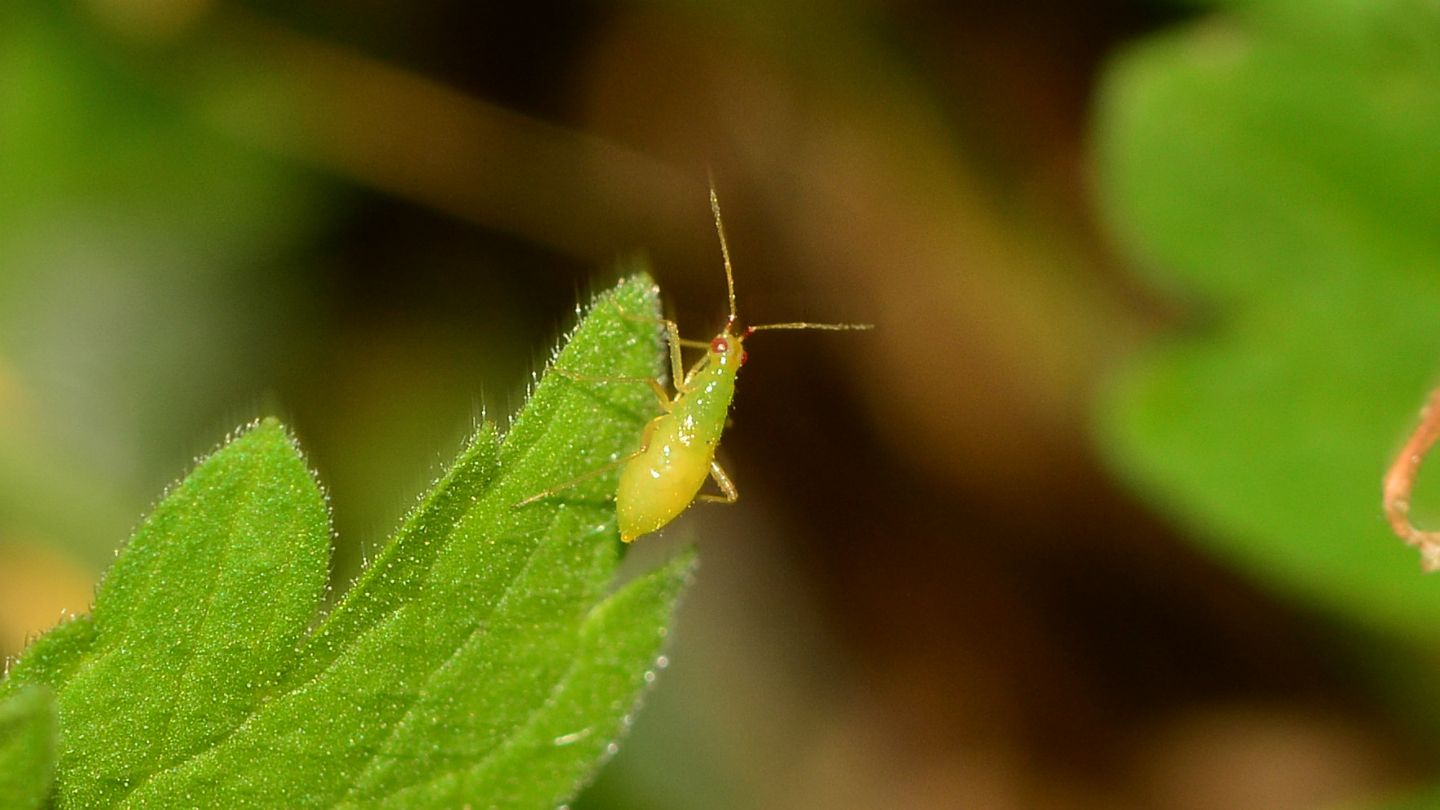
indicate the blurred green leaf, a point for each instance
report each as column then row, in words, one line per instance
column 1278, row 169
column 149, row 271
column 1420, row 800
column 477, row 660
column 27, row 748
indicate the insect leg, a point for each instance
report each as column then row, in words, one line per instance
column 1400, row 481
column 654, row 384
column 672, row 334
column 644, row 445
column 723, row 481
column 699, row 364
column 677, row 365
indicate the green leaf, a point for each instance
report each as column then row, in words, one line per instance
column 194, row 621
column 481, row 658
column 27, row 748
column 1278, row 169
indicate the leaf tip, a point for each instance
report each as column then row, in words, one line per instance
column 269, row 426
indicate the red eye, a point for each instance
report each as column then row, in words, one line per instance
column 744, row 355
column 719, row 346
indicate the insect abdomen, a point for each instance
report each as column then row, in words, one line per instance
column 659, row 484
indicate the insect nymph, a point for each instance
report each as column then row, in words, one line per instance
column 677, row 448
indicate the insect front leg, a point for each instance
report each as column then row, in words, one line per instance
column 673, row 339
column 722, row 480
column 677, row 364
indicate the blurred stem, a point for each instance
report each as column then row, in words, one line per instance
column 386, row 128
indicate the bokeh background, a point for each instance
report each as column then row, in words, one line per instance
column 1090, row 520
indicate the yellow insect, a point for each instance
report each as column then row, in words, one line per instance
column 677, row 448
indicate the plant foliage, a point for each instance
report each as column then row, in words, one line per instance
column 27, row 748
column 484, row 657
column 1276, row 167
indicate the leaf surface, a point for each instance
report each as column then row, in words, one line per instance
column 1277, row 171
column 27, row 748
column 481, row 657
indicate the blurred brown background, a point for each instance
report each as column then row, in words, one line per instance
column 376, row 218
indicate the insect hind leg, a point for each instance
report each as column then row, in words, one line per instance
column 727, row 487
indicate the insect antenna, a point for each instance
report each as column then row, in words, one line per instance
column 725, row 252
column 831, row 327
column 730, row 286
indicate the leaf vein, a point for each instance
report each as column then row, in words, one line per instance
column 397, row 726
